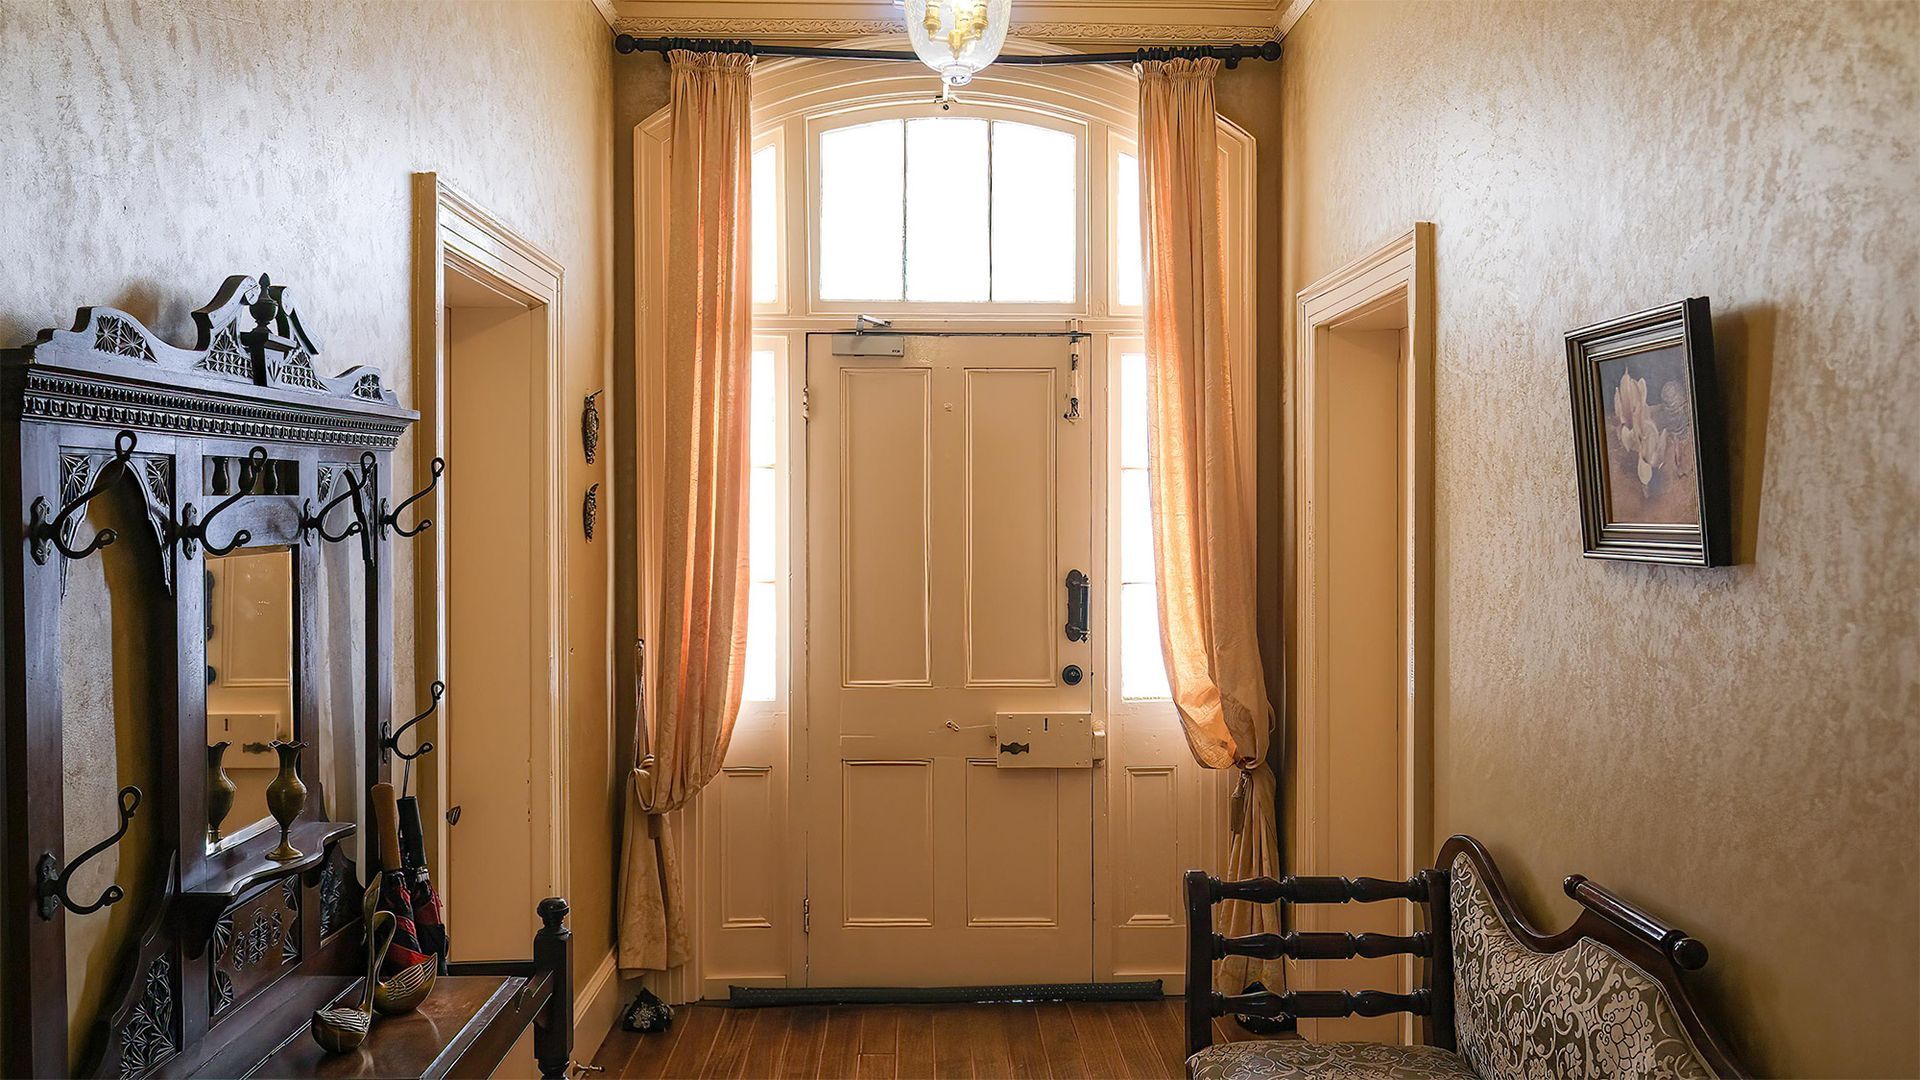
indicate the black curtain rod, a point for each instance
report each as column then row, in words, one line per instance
column 1231, row 55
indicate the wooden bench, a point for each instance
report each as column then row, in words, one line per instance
column 1496, row 997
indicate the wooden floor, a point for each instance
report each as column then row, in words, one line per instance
column 913, row 1042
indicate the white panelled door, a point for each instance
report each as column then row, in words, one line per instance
column 948, row 498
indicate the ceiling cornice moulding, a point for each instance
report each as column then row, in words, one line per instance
column 1064, row 33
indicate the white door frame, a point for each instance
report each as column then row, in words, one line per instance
column 1398, row 274
column 451, row 230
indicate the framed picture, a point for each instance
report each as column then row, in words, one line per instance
column 1647, row 439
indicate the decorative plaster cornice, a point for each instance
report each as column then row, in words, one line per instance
column 1099, row 33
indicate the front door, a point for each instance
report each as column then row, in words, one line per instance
column 948, row 499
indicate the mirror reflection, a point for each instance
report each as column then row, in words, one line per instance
column 249, row 631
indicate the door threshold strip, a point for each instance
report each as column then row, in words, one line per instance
column 764, row 996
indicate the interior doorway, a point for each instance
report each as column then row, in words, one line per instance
column 951, row 800
column 1363, row 424
column 489, row 584
column 493, row 658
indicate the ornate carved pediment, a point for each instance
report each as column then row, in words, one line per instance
column 110, row 369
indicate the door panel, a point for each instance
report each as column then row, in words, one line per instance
column 947, row 499
column 1010, row 467
column 885, row 461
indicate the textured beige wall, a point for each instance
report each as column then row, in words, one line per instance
column 149, row 150
column 1734, row 748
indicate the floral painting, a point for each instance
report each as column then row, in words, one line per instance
column 1648, row 449
column 1652, row 474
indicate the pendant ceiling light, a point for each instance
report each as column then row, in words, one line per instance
column 958, row 37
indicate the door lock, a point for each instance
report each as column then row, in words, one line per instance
column 1071, row 675
column 1014, row 748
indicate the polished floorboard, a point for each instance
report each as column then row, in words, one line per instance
column 1091, row 1041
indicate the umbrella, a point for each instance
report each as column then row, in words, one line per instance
column 428, row 926
column 393, row 893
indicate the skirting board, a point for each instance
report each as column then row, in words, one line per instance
column 597, row 1008
column 757, row 996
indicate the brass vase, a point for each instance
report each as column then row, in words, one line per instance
column 220, row 790
column 286, row 797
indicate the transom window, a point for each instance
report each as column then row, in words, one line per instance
column 949, row 209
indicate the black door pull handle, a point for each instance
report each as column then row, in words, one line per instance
column 1014, row 748
column 1077, row 602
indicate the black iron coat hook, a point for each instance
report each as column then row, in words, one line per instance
column 391, row 519
column 391, row 744
column 50, row 533
column 193, row 529
column 54, row 880
column 311, row 522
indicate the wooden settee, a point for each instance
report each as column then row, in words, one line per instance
column 1497, row 999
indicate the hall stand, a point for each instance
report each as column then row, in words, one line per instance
column 236, row 442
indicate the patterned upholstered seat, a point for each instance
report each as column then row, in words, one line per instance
column 1297, row 1060
column 1583, row 1013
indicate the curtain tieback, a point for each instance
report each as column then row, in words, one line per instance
column 643, row 783
column 1241, row 787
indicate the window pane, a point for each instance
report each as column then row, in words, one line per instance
column 1036, row 209
column 1129, row 259
column 1143, row 671
column 947, row 209
column 766, row 229
column 763, row 619
column 763, row 516
column 1136, row 527
column 764, row 424
column 1133, row 410
column 861, row 193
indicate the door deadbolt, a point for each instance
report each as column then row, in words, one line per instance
column 1071, row 675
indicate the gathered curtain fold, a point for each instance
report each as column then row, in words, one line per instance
column 699, row 651
column 1203, row 548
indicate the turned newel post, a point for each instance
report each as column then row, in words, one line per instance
column 553, row 954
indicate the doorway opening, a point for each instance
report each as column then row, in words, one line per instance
column 1006, row 229
column 1364, row 641
column 489, row 617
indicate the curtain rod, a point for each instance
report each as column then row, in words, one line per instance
column 1231, row 55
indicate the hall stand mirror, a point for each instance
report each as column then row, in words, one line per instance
column 245, row 502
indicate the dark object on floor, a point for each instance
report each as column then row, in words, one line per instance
column 1262, row 1025
column 647, row 1014
column 763, row 996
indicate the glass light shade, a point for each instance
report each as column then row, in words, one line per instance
column 958, row 37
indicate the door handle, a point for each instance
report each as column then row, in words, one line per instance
column 1077, row 601
column 1015, row 748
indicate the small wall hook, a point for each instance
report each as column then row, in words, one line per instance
column 49, row 533
column 54, row 880
column 391, row 519
column 193, row 528
column 391, row 744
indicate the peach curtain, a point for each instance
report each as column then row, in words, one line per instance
column 1202, row 526
column 701, row 637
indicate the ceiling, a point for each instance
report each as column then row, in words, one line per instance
column 1063, row 22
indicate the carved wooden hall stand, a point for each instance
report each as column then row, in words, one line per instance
column 237, row 441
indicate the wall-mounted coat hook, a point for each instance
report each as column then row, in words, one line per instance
column 391, row 744
column 315, row 523
column 54, row 880
column 49, row 533
column 193, row 528
column 391, row 519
